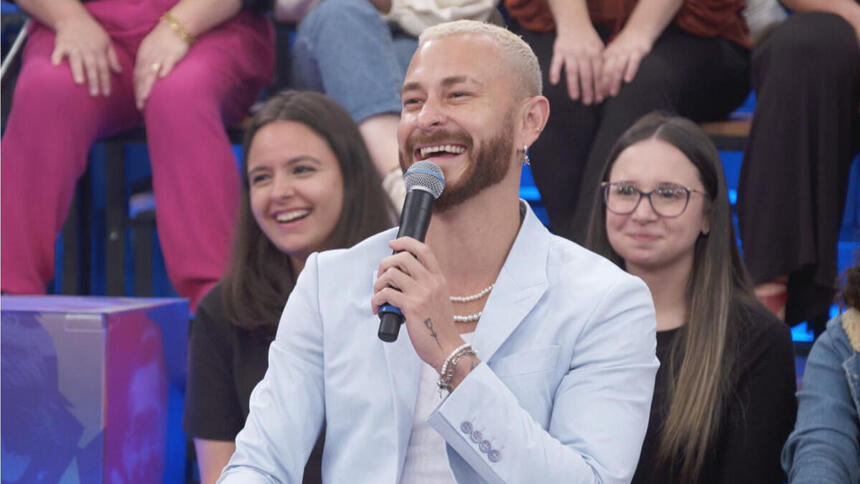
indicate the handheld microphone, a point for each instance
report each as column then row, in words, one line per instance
column 424, row 183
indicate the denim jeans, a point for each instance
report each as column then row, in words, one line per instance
column 344, row 49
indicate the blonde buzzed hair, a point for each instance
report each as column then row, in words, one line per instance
column 519, row 54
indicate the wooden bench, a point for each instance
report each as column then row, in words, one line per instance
column 729, row 135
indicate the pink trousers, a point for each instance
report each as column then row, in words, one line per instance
column 53, row 123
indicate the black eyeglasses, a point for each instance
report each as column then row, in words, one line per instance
column 670, row 201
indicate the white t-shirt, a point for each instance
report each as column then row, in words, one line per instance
column 426, row 459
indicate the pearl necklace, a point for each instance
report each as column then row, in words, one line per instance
column 468, row 318
column 474, row 297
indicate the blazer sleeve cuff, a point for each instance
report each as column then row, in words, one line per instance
column 473, row 420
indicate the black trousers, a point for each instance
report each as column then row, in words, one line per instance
column 795, row 171
column 700, row 78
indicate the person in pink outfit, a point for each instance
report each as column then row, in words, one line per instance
column 183, row 69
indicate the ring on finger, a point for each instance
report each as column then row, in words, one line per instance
column 156, row 66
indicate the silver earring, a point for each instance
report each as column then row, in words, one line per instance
column 526, row 159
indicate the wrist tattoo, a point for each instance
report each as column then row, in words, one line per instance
column 429, row 324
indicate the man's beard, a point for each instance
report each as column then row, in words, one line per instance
column 490, row 166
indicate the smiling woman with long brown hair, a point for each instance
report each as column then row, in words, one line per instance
column 724, row 396
column 309, row 185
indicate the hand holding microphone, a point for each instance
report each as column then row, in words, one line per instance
column 424, row 184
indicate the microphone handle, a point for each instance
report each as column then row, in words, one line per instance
column 414, row 221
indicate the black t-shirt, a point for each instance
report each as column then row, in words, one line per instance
column 757, row 418
column 225, row 364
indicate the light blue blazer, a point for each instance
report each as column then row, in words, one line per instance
column 567, row 341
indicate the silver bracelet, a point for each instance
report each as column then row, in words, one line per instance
column 452, row 369
column 449, row 367
column 448, row 359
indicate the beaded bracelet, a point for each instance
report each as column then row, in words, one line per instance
column 177, row 28
column 453, row 367
column 449, row 367
column 458, row 349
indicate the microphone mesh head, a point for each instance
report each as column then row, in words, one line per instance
column 425, row 175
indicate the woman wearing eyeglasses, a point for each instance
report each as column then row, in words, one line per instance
column 724, row 394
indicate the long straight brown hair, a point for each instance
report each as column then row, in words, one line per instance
column 718, row 293
column 260, row 277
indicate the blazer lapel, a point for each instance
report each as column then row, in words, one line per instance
column 520, row 285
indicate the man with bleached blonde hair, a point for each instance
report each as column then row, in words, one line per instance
column 518, row 54
column 525, row 358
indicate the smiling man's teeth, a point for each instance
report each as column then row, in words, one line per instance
column 442, row 148
column 290, row 216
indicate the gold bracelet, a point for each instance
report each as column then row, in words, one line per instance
column 177, row 28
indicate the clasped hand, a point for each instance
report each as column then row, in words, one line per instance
column 621, row 60
column 157, row 55
column 593, row 71
column 412, row 281
column 92, row 58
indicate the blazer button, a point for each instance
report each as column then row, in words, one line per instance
column 466, row 427
column 485, row 446
column 476, row 436
column 494, row 455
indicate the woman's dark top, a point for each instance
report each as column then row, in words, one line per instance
column 758, row 415
column 225, row 364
